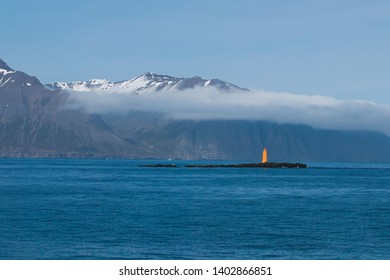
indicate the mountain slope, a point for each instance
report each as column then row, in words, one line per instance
column 33, row 123
column 244, row 140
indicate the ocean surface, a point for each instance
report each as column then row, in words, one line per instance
column 114, row 209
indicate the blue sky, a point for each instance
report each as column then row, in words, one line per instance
column 335, row 48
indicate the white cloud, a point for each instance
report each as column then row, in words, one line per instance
column 208, row 103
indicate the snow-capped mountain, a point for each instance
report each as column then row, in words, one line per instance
column 4, row 68
column 9, row 78
column 5, row 73
column 144, row 83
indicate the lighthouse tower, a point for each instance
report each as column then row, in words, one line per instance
column 264, row 159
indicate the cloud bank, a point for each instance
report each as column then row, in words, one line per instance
column 209, row 103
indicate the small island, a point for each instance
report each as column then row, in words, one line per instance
column 251, row 165
column 159, row 165
column 238, row 165
column 263, row 164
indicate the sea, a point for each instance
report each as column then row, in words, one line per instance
column 74, row 209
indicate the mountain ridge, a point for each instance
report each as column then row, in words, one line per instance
column 143, row 83
column 35, row 123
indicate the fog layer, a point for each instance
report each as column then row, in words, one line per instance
column 209, row 103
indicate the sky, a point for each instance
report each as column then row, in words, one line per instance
column 334, row 48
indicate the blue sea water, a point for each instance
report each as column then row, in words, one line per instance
column 114, row 209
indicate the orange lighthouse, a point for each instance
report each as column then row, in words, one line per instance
column 264, row 159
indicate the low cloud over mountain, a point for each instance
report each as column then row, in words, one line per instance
column 210, row 103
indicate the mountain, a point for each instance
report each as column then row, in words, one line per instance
column 148, row 82
column 11, row 79
column 4, row 68
column 34, row 123
column 38, row 122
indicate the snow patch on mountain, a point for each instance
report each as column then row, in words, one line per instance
column 5, row 72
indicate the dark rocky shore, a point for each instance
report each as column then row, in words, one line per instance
column 239, row 165
column 159, row 165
